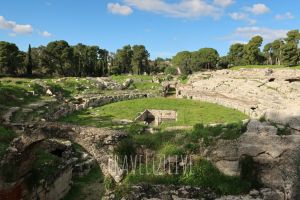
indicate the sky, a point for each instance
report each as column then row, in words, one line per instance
column 165, row 27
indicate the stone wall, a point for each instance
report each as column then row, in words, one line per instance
column 69, row 108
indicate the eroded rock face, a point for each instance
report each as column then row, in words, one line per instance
column 276, row 158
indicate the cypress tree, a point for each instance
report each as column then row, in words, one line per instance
column 28, row 61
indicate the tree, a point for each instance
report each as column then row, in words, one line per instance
column 289, row 54
column 268, row 51
column 103, row 62
column 276, row 50
column 206, row 58
column 236, row 54
column 223, row 62
column 140, row 62
column 252, row 54
column 159, row 65
column 289, row 51
column 182, row 60
column 58, row 57
column 28, row 61
column 293, row 36
column 9, row 58
column 79, row 59
column 123, row 59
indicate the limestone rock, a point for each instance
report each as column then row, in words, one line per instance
column 49, row 92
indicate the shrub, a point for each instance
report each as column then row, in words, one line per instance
column 226, row 132
column 6, row 136
column 109, row 183
column 286, row 130
column 262, row 119
column 171, row 149
column 126, row 147
column 171, row 71
column 204, row 174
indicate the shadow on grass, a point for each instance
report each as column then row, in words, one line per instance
column 83, row 119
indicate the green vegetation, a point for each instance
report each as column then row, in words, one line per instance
column 15, row 92
column 141, row 82
column 87, row 186
column 20, row 92
column 286, row 130
column 201, row 174
column 226, row 132
column 171, row 70
column 204, row 174
column 58, row 58
column 189, row 112
column 180, row 143
column 45, row 167
column 6, row 136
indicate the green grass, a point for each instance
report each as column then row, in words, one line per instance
column 202, row 174
column 263, row 67
column 15, row 92
column 79, row 189
column 189, row 112
column 141, row 82
column 180, row 143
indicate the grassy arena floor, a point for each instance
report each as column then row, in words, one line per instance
column 189, row 112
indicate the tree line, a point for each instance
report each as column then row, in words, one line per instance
column 58, row 58
column 279, row 52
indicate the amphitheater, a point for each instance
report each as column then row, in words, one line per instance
column 273, row 94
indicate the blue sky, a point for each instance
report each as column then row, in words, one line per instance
column 163, row 26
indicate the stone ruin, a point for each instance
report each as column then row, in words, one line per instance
column 156, row 117
column 273, row 94
column 271, row 99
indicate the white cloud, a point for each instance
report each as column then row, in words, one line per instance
column 14, row 27
column 240, row 16
column 116, row 8
column 285, row 16
column 22, row 29
column 45, row 34
column 258, row 9
column 267, row 33
column 223, row 3
column 182, row 9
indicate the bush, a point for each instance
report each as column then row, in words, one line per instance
column 135, row 129
column 204, row 174
column 6, row 136
column 286, row 130
column 171, row 71
column 126, row 147
column 171, row 149
column 109, row 183
column 226, row 132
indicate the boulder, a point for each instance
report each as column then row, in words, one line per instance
column 275, row 158
column 49, row 92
